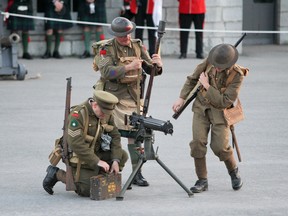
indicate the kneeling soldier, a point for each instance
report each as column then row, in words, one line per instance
column 95, row 142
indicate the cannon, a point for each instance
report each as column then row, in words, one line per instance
column 9, row 65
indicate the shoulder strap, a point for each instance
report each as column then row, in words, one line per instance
column 137, row 47
column 229, row 80
column 85, row 115
column 86, row 122
column 230, row 77
column 96, row 135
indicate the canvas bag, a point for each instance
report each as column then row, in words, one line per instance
column 235, row 114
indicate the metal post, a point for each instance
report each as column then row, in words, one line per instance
column 1, row 35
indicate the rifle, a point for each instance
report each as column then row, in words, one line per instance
column 70, row 186
column 235, row 143
column 197, row 88
column 160, row 33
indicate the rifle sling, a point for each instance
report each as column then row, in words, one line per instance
column 230, row 78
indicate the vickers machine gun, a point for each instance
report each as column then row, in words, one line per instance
column 9, row 65
column 148, row 123
column 143, row 132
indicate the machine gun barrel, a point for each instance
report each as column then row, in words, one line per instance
column 138, row 121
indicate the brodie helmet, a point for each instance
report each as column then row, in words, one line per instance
column 121, row 26
column 223, row 56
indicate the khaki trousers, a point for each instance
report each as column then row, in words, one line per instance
column 219, row 143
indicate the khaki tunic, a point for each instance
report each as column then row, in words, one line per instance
column 208, row 108
column 81, row 145
column 112, row 72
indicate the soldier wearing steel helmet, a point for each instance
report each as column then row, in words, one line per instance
column 95, row 142
column 216, row 94
column 122, row 61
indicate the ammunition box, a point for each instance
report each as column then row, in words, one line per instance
column 105, row 186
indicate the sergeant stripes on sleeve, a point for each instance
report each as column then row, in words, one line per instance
column 74, row 133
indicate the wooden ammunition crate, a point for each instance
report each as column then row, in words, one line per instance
column 105, row 186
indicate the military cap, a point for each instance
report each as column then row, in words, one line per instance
column 105, row 100
column 223, row 56
column 121, row 27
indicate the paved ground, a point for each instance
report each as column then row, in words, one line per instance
column 32, row 114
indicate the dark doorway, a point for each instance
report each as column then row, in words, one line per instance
column 259, row 15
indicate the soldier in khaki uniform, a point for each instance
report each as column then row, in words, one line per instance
column 90, row 125
column 215, row 95
column 121, row 62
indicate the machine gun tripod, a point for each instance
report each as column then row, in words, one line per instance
column 144, row 134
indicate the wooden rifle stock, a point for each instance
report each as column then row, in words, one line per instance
column 235, row 143
column 196, row 89
column 70, row 186
column 160, row 33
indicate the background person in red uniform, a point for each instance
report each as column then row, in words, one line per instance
column 191, row 11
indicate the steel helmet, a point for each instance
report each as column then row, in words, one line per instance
column 223, row 56
column 121, row 26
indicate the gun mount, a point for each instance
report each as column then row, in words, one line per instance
column 143, row 132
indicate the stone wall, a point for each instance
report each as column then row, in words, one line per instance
column 283, row 21
column 221, row 15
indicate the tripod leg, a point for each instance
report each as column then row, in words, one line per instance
column 141, row 161
column 190, row 193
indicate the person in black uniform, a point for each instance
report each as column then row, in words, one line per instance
column 91, row 11
column 59, row 10
column 129, row 9
column 24, row 25
column 145, row 16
